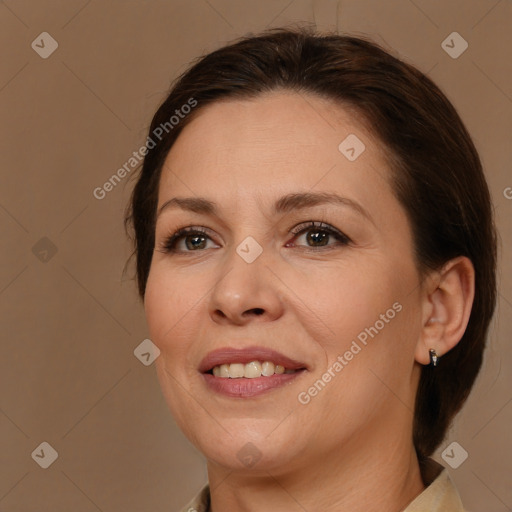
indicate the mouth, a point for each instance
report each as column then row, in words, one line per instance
column 248, row 372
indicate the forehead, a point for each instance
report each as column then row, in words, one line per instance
column 279, row 142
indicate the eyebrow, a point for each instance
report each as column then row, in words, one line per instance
column 285, row 204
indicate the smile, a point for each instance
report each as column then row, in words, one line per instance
column 251, row 370
column 248, row 372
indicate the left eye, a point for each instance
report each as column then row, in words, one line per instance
column 319, row 233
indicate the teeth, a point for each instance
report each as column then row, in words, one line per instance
column 279, row 368
column 250, row 370
column 267, row 368
column 236, row 370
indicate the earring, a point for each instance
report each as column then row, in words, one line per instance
column 434, row 358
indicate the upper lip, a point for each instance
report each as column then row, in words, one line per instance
column 230, row 355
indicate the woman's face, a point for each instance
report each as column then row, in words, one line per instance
column 345, row 309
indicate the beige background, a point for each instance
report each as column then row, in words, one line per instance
column 70, row 320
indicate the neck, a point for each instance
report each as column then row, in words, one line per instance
column 362, row 476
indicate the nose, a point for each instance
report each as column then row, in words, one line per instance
column 246, row 292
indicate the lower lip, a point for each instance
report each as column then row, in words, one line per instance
column 246, row 388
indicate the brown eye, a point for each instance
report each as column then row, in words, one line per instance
column 318, row 234
column 195, row 240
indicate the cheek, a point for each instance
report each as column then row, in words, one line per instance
column 372, row 317
column 374, row 357
column 155, row 306
column 354, row 301
column 169, row 316
column 169, row 304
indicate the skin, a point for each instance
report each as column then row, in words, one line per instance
column 350, row 448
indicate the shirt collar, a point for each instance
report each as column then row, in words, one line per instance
column 440, row 494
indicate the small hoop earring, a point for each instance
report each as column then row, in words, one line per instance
column 434, row 358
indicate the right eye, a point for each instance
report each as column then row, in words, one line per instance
column 195, row 239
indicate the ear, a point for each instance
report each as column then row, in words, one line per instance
column 447, row 301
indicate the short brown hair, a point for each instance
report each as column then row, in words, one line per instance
column 436, row 172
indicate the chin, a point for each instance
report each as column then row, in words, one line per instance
column 254, row 451
column 249, row 458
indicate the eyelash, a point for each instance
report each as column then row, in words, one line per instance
column 169, row 244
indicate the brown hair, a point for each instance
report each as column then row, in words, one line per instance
column 436, row 172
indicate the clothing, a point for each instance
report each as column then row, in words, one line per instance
column 440, row 494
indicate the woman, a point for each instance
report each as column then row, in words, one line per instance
column 316, row 254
